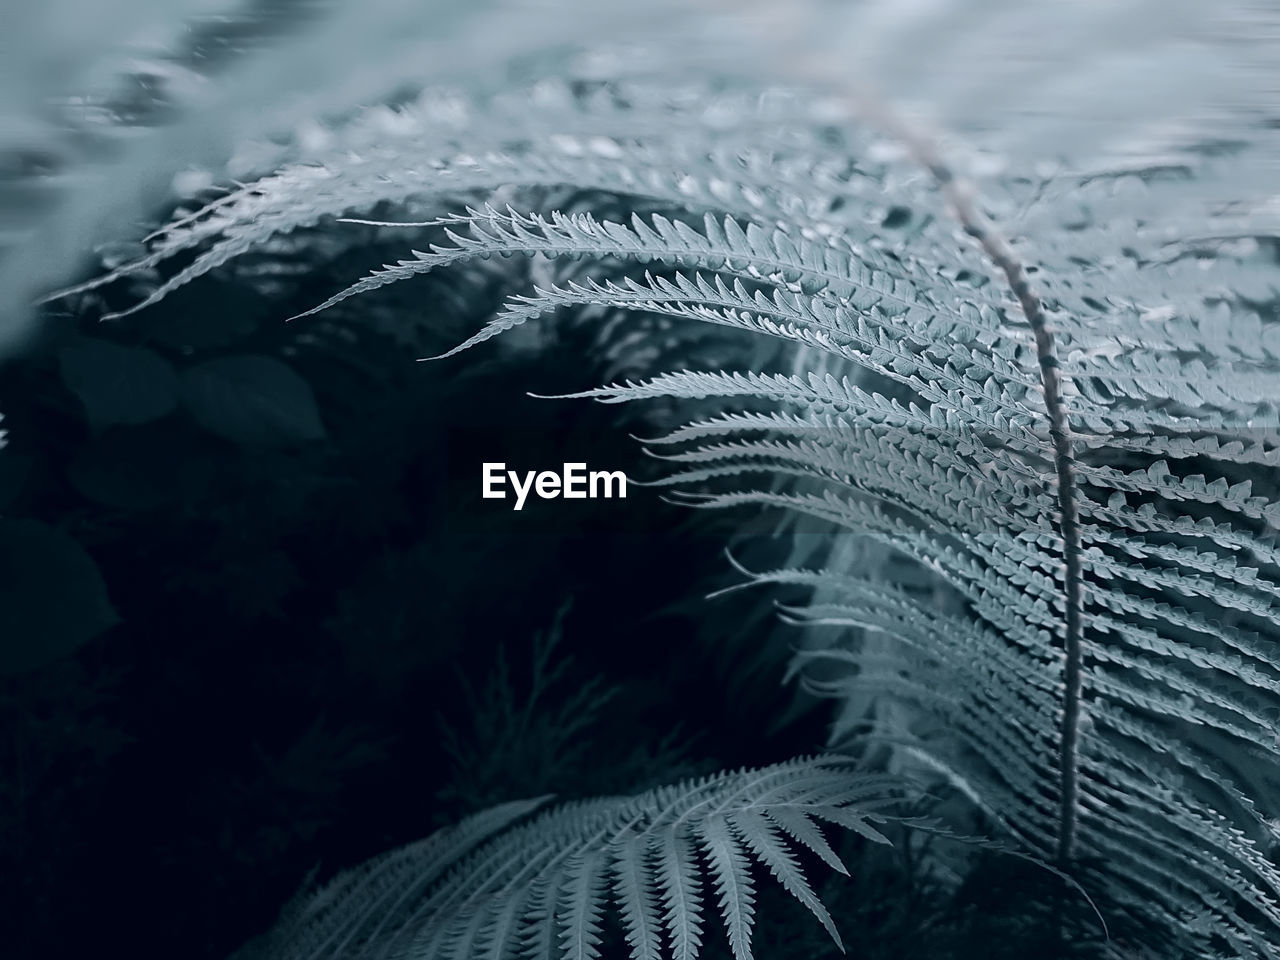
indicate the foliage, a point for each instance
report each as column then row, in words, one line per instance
column 519, row 742
column 1047, row 408
column 53, row 599
column 542, row 888
column 945, row 451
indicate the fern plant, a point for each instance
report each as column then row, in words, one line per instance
column 1064, row 429
column 541, row 889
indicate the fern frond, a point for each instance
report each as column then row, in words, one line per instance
column 1065, row 426
column 545, row 883
column 358, row 907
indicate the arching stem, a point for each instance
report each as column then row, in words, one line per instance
column 960, row 195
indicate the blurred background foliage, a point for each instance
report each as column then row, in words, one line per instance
column 311, row 640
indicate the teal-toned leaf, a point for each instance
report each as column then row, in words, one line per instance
column 252, row 399
column 52, row 598
column 118, row 384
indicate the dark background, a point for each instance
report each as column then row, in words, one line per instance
column 325, row 647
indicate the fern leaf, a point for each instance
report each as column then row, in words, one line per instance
column 1065, row 430
column 732, row 880
column 581, row 904
column 547, row 885
column 681, row 886
column 635, row 888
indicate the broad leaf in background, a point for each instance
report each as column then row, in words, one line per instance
column 52, row 598
column 118, row 384
column 253, row 400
